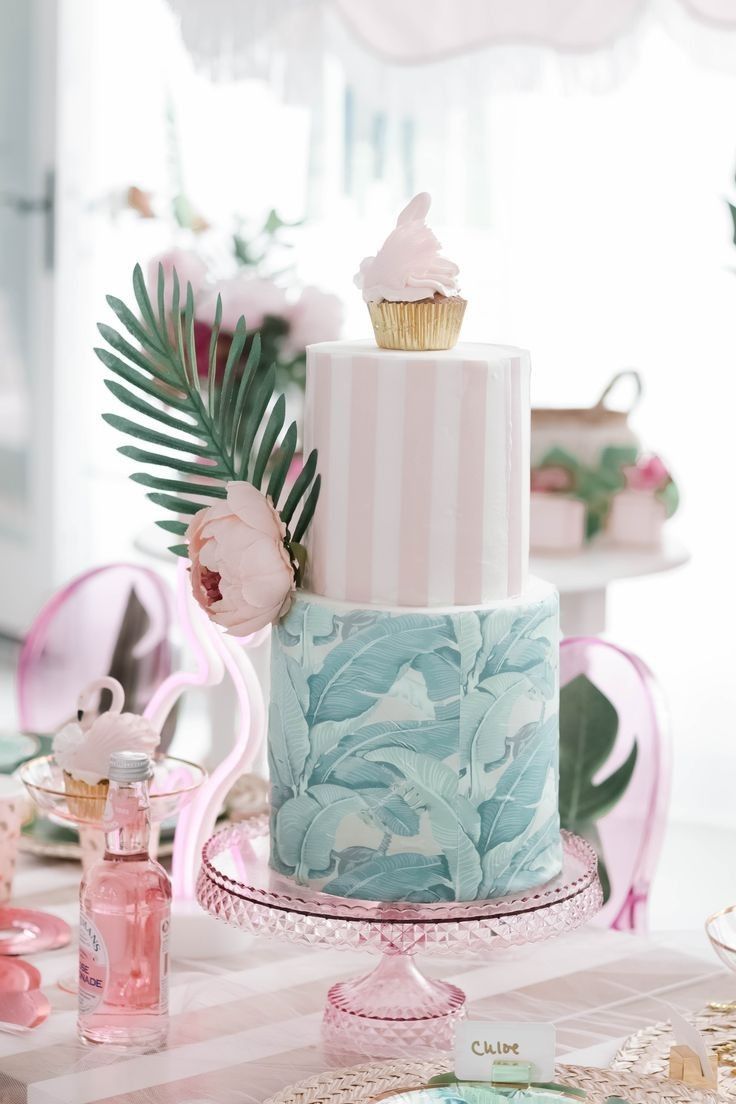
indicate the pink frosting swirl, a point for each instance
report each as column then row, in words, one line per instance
column 408, row 266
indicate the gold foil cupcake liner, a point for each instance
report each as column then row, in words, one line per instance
column 84, row 800
column 419, row 327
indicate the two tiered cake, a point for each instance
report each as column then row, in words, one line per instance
column 413, row 739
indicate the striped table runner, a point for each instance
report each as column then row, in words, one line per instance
column 247, row 1023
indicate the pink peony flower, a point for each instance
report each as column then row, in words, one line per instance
column 316, row 316
column 242, row 574
column 245, row 295
column 648, row 474
column 190, row 268
column 551, row 479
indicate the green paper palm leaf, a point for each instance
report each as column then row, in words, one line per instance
column 194, row 426
column 588, row 733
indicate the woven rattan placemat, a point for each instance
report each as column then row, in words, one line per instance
column 363, row 1084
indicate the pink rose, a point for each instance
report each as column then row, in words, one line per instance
column 648, row 474
column 242, row 575
column 316, row 316
column 245, row 295
column 551, row 479
column 190, row 268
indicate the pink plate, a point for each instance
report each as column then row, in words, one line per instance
column 31, row 931
column 18, row 976
column 24, row 1009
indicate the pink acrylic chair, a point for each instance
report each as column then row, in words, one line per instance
column 216, row 655
column 74, row 640
column 115, row 619
column 631, row 833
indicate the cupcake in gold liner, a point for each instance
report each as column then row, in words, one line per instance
column 85, row 801
column 410, row 288
column 83, row 747
column 427, row 324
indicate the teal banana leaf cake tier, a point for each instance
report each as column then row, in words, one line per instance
column 413, row 755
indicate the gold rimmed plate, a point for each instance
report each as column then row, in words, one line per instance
column 721, row 930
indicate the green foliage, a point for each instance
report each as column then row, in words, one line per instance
column 595, row 486
column 250, row 253
column 670, row 496
column 588, row 731
column 197, row 427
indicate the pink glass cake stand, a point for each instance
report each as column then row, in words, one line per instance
column 395, row 1006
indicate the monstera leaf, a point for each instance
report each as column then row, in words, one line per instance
column 367, row 665
column 306, row 826
column 514, row 645
column 538, row 847
column 506, row 815
column 486, row 714
column 512, row 866
column 390, row 812
column 469, row 636
column 455, row 823
column 436, row 738
column 288, row 744
column 588, row 731
column 307, row 625
column 440, row 672
column 391, row 877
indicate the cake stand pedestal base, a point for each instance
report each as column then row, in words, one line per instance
column 394, row 1005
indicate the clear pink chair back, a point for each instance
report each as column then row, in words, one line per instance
column 631, row 833
column 115, row 619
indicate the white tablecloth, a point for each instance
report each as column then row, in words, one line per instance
column 246, row 1018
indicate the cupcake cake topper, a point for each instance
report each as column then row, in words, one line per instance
column 410, row 288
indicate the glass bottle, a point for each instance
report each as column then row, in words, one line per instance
column 125, row 915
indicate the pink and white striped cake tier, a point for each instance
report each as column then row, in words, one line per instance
column 424, row 460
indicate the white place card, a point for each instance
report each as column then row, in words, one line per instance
column 687, row 1035
column 478, row 1045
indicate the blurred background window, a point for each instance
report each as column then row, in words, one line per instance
column 581, row 181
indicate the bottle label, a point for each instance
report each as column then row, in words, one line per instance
column 164, row 968
column 93, row 964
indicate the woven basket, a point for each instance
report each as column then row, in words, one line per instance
column 364, row 1084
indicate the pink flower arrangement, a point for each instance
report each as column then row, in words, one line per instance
column 246, row 295
column 242, row 573
column 316, row 316
column 648, row 474
column 551, row 479
column 190, row 268
column 286, row 325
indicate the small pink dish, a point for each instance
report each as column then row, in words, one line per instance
column 31, row 931
column 24, row 1010
column 18, row 976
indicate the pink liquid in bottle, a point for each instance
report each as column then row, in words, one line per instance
column 125, row 914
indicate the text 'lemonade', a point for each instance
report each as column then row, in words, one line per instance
column 125, row 915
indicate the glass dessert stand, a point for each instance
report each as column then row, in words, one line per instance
column 173, row 785
column 394, row 1007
